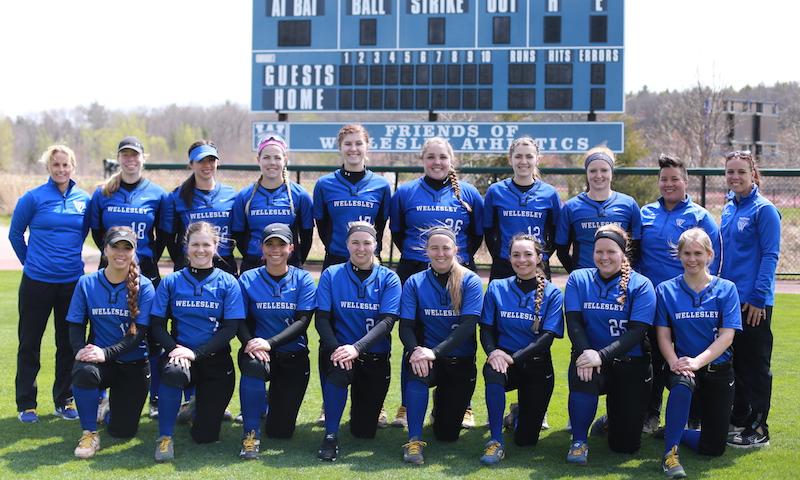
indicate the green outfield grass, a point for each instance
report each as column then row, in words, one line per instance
column 44, row 450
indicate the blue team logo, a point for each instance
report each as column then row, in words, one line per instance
column 743, row 223
column 80, row 205
column 679, row 222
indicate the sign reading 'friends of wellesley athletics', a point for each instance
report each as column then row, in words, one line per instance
column 492, row 138
column 438, row 55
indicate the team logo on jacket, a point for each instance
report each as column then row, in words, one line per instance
column 743, row 223
column 679, row 222
column 79, row 205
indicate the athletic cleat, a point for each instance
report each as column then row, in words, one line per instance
column 545, row 425
column 153, row 409
column 238, row 419
column 383, row 419
column 400, row 419
column 186, row 412
column 599, row 427
column 493, row 453
column 28, row 416
column 329, row 449
column 510, row 420
column 412, row 452
column 651, row 424
column 672, row 465
column 469, row 419
column 88, row 444
column 578, row 453
column 749, row 438
column 321, row 419
column 67, row 412
column 250, row 446
column 226, row 416
column 103, row 410
column 165, row 449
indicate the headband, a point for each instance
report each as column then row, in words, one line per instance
column 598, row 156
column 442, row 231
column 202, row 151
column 363, row 228
column 272, row 139
column 611, row 235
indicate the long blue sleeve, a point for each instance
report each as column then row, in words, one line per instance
column 769, row 237
column 20, row 220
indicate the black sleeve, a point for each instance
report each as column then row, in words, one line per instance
column 380, row 330
column 492, row 242
column 243, row 333
column 549, row 237
column 160, row 243
column 635, row 251
column 77, row 336
column 220, row 338
column 241, row 239
column 323, row 227
column 302, row 319
column 306, row 238
column 380, row 224
column 397, row 239
column 488, row 338
column 562, row 251
column 474, row 240
column 97, row 236
column 408, row 334
column 633, row 336
column 322, row 321
column 541, row 345
column 159, row 333
column 174, row 243
column 459, row 335
column 577, row 332
column 127, row 343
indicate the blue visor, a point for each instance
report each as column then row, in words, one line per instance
column 202, row 151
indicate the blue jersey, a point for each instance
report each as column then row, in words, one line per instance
column 341, row 202
column 582, row 216
column 514, row 313
column 513, row 211
column 356, row 306
column 695, row 318
column 605, row 320
column 213, row 207
column 271, row 305
column 429, row 304
column 197, row 308
column 106, row 307
column 751, row 245
column 661, row 229
column 57, row 226
column 267, row 207
column 139, row 209
column 417, row 207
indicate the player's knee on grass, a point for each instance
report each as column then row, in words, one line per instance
column 490, row 375
column 340, row 377
column 674, row 380
column 85, row 375
column 251, row 367
column 173, row 375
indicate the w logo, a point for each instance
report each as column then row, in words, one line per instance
column 743, row 223
column 679, row 222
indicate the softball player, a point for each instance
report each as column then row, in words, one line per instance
column 697, row 315
column 280, row 300
column 358, row 303
column 440, row 308
column 116, row 302
column 521, row 317
column 663, row 221
column 272, row 199
column 751, row 241
column 608, row 309
column 53, row 214
column 599, row 205
column 351, row 193
column 521, row 204
column 201, row 197
column 205, row 305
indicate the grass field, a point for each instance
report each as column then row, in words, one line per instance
column 44, row 450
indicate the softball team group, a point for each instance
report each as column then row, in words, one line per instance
column 658, row 296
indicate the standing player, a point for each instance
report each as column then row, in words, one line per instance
column 437, row 199
column 205, row 305
column 751, row 243
column 53, row 214
column 521, row 204
column 201, row 197
column 272, row 199
column 440, row 308
column 521, row 317
column 698, row 314
column 358, row 303
column 599, row 205
column 116, row 302
column 351, row 193
column 663, row 222
column 280, row 300
column 609, row 309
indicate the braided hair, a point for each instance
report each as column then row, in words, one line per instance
column 625, row 268
column 452, row 175
column 131, row 282
column 541, row 279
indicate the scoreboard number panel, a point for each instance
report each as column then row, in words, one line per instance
column 438, row 55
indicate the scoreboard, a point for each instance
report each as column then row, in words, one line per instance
column 438, row 55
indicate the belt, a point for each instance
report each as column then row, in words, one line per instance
column 719, row 367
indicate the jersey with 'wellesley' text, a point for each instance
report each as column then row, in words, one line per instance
column 213, row 207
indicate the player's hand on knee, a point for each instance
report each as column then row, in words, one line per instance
column 182, row 352
column 589, row 358
column 257, row 344
column 260, row 355
column 585, row 373
column 344, row 353
column 499, row 361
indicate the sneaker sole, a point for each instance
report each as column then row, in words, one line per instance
column 752, row 445
column 63, row 417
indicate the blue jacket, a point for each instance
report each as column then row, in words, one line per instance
column 57, row 225
column 751, row 245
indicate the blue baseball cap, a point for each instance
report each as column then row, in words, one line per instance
column 200, row 152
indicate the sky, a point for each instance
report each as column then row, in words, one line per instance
column 58, row 54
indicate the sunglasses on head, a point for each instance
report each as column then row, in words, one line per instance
column 746, row 154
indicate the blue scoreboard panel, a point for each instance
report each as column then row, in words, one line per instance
column 438, row 55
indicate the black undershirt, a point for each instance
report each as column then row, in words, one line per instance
column 528, row 285
column 442, row 278
column 353, row 177
column 361, row 273
column 278, row 278
column 129, row 186
column 523, row 188
column 201, row 274
column 436, row 184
